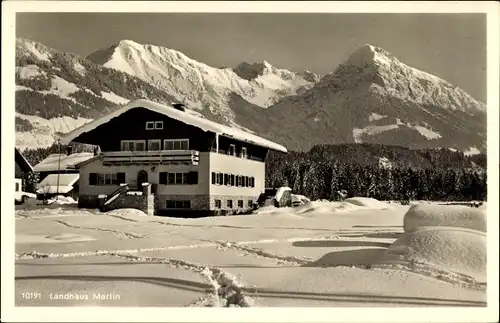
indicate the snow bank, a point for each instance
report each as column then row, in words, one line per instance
column 299, row 199
column 452, row 249
column 325, row 206
column 368, row 203
column 59, row 199
column 126, row 212
column 427, row 215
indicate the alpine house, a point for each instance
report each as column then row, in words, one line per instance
column 185, row 164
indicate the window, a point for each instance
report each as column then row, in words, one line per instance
column 227, row 179
column 232, row 150
column 176, row 144
column 178, row 204
column 140, row 145
column 218, row 204
column 110, row 179
column 217, row 178
column 250, row 203
column 133, row 145
column 17, row 187
column 178, row 178
column 243, row 153
column 154, row 125
column 230, row 204
column 158, row 125
column 154, row 144
column 232, row 180
column 127, row 146
column 182, row 204
column 240, row 204
column 106, row 179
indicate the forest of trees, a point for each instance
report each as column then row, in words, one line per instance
column 431, row 174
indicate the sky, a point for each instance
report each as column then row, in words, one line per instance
column 450, row 46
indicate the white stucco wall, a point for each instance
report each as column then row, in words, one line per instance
column 238, row 166
column 132, row 171
column 208, row 162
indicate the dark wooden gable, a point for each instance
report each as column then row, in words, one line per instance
column 22, row 165
column 131, row 125
column 253, row 151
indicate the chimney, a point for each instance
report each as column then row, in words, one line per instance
column 179, row 106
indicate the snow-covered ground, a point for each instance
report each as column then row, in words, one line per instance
column 360, row 252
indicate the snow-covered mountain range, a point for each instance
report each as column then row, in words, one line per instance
column 375, row 98
column 198, row 85
column 372, row 97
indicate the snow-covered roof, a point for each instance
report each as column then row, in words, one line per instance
column 51, row 163
column 49, row 183
column 63, row 189
column 193, row 120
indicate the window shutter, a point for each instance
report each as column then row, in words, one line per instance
column 194, row 176
column 213, row 178
column 93, row 179
column 163, row 178
column 121, row 178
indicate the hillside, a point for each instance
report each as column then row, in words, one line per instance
column 57, row 92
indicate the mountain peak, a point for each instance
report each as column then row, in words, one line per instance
column 249, row 71
column 369, row 54
column 126, row 43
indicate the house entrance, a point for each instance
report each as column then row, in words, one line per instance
column 142, row 177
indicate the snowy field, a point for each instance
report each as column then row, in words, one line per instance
column 360, row 252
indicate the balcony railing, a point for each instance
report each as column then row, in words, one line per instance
column 151, row 157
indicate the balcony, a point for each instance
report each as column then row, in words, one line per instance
column 189, row 157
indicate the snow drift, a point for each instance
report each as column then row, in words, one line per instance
column 368, row 203
column 427, row 215
column 452, row 249
column 304, row 206
column 126, row 212
column 447, row 237
column 61, row 199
